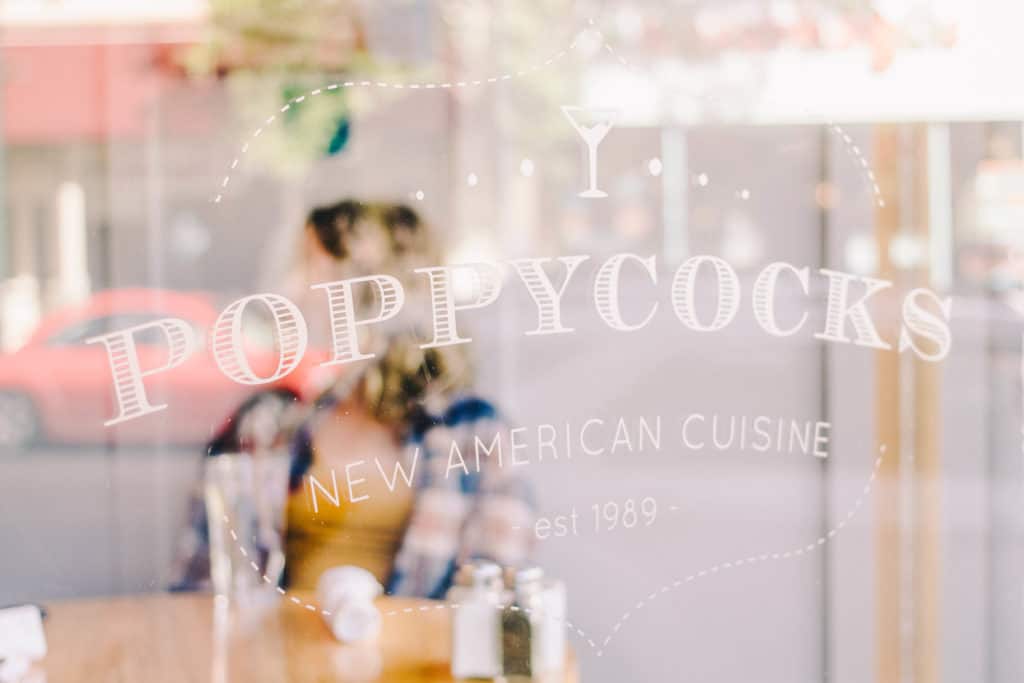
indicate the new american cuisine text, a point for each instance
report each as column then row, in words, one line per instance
column 465, row 452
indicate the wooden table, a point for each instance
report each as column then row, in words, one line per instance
column 184, row 638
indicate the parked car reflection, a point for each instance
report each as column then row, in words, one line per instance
column 59, row 389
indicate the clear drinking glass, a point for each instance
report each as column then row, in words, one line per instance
column 245, row 508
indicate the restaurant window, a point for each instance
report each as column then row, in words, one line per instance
column 737, row 287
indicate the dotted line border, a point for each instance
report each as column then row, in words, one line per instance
column 852, row 149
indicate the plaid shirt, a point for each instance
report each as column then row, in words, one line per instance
column 467, row 506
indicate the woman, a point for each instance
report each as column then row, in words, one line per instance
column 402, row 407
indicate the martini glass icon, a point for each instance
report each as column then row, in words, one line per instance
column 592, row 125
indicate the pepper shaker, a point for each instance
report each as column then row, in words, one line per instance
column 533, row 626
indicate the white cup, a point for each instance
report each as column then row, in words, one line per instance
column 347, row 594
column 13, row 669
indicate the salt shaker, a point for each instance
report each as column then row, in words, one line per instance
column 551, row 644
column 477, row 599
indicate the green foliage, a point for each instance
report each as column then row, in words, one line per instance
column 268, row 53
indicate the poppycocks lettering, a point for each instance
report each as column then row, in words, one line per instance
column 924, row 316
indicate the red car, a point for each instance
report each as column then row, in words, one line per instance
column 57, row 388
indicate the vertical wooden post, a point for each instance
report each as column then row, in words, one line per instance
column 887, row 405
column 925, row 418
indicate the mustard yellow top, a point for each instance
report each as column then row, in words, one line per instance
column 366, row 534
